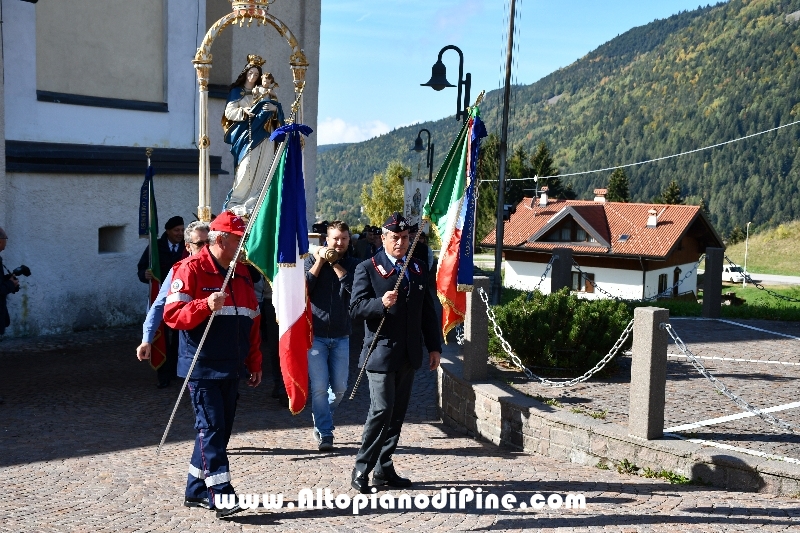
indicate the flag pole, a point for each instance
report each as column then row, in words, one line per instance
column 250, row 222
column 148, row 152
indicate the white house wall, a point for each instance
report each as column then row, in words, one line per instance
column 53, row 219
column 625, row 284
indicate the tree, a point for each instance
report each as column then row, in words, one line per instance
column 737, row 235
column 488, row 169
column 672, row 194
column 618, row 187
column 542, row 165
column 385, row 194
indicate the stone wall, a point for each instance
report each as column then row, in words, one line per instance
column 497, row 413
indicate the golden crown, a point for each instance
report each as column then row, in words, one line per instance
column 254, row 60
column 244, row 4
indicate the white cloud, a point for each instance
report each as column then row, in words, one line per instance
column 336, row 130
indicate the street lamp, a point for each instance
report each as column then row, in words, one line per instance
column 429, row 156
column 439, row 81
column 746, row 239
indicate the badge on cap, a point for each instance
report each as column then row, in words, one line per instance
column 176, row 285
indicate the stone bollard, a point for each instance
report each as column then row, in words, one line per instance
column 648, row 373
column 712, row 283
column 476, row 333
column 561, row 274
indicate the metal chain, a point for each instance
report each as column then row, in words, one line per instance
column 460, row 338
column 544, row 276
column 649, row 298
column 761, row 287
column 721, row 386
column 546, row 382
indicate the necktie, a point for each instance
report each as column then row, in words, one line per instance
column 398, row 267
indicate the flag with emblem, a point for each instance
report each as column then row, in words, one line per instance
column 450, row 207
column 148, row 228
column 276, row 245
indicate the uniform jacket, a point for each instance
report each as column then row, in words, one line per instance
column 234, row 340
column 409, row 321
column 166, row 258
column 330, row 297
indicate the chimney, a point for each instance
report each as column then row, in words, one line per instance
column 600, row 195
column 543, row 198
column 652, row 219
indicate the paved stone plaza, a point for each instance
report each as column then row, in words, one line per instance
column 82, row 418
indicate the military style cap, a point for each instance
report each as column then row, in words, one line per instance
column 174, row 222
column 396, row 223
column 228, row 223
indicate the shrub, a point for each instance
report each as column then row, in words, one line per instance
column 559, row 330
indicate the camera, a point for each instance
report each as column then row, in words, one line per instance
column 21, row 270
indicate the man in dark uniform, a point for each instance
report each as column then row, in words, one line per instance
column 409, row 317
column 171, row 249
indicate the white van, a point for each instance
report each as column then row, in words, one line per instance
column 733, row 273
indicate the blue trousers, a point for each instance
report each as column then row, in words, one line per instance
column 328, row 365
column 214, row 403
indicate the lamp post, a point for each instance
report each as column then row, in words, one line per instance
column 429, row 156
column 439, row 81
column 746, row 239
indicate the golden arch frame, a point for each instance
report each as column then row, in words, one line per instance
column 243, row 12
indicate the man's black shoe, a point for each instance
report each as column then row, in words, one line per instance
column 197, row 502
column 391, row 479
column 225, row 513
column 359, row 481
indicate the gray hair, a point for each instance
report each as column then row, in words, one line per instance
column 196, row 225
column 214, row 235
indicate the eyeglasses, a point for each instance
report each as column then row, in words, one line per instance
column 199, row 243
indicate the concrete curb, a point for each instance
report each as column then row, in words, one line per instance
column 492, row 411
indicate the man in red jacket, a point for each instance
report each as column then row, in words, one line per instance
column 231, row 351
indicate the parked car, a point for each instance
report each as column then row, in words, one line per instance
column 733, row 273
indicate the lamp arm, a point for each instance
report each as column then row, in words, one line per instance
column 461, row 81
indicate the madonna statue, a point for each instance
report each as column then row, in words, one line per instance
column 251, row 115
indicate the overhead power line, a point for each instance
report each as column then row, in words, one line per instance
column 661, row 158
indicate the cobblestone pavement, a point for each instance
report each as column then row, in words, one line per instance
column 692, row 398
column 82, row 418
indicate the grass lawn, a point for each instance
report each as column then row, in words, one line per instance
column 774, row 251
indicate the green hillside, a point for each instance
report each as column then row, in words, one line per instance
column 692, row 80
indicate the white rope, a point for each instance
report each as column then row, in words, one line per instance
column 658, row 158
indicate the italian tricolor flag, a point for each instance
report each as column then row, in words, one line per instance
column 450, row 207
column 276, row 245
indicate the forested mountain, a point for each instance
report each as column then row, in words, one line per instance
column 692, row 80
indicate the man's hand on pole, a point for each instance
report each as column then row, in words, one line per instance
column 389, row 299
column 216, row 301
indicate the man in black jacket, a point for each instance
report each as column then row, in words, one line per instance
column 8, row 284
column 171, row 249
column 409, row 316
column 329, row 279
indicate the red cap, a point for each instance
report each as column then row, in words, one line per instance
column 229, row 223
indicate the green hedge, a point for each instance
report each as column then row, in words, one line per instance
column 559, row 330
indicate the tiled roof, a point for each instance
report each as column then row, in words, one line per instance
column 611, row 220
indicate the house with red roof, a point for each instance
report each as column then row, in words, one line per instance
column 629, row 250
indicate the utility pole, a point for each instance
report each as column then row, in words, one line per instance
column 497, row 285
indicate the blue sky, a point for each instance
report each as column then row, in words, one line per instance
column 375, row 53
